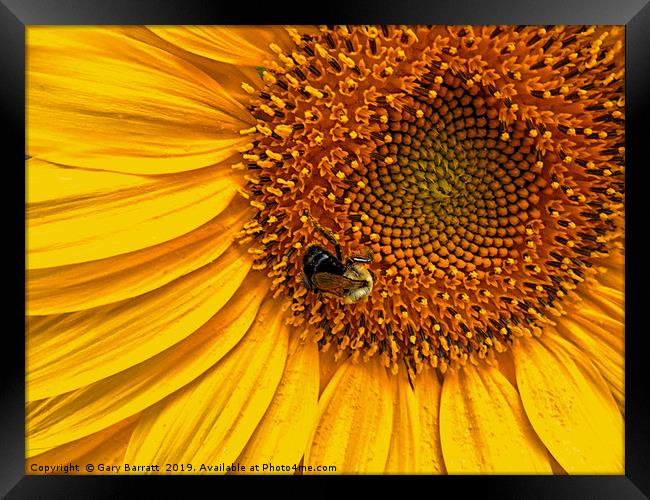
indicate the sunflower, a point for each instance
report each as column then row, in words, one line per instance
column 178, row 176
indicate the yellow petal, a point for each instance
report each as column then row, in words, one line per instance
column 327, row 366
column 105, row 447
column 606, row 359
column 483, row 427
column 507, row 367
column 69, row 351
column 613, row 278
column 557, row 468
column 354, row 422
column 75, row 287
column 614, row 264
column 602, row 326
column 427, row 394
column 229, row 76
column 404, row 456
column 102, row 404
column 98, row 99
column 211, row 49
column 569, row 405
column 45, row 181
column 211, row 420
column 235, row 45
column 281, row 436
column 616, row 296
column 609, row 300
column 229, row 54
column 91, row 227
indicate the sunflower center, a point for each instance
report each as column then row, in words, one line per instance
column 482, row 203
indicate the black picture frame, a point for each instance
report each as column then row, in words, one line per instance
column 15, row 15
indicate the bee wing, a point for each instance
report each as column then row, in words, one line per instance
column 334, row 283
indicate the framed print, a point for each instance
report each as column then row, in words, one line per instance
column 391, row 247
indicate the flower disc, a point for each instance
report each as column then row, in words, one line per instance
column 483, row 167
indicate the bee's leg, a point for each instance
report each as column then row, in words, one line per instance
column 367, row 259
column 330, row 237
column 358, row 259
column 337, row 248
column 307, row 282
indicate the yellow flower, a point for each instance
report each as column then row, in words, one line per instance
column 178, row 175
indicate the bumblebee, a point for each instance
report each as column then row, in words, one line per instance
column 323, row 272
